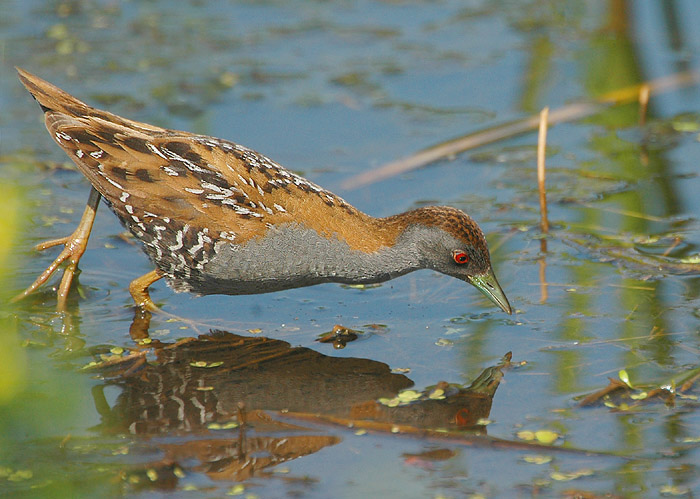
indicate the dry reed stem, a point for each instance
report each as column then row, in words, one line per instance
column 569, row 112
column 541, row 173
column 676, row 241
column 544, row 221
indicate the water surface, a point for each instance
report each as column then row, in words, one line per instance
column 332, row 90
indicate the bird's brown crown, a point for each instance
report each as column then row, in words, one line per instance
column 451, row 220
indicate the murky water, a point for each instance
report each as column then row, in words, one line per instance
column 332, row 90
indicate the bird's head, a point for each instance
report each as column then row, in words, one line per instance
column 452, row 243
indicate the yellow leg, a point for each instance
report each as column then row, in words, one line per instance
column 74, row 247
column 139, row 290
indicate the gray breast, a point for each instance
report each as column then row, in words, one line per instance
column 293, row 256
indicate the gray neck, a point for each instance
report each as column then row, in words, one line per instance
column 293, row 256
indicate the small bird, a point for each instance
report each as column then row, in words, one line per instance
column 216, row 217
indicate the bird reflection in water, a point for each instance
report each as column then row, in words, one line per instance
column 238, row 405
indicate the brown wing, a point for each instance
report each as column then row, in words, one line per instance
column 148, row 173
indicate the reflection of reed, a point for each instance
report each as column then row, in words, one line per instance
column 230, row 459
column 244, row 457
column 644, row 92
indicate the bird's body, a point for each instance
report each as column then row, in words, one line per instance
column 217, row 217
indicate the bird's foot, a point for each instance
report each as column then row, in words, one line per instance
column 139, row 330
column 139, row 291
column 73, row 248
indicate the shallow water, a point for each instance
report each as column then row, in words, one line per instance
column 332, row 90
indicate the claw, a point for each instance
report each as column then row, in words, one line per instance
column 74, row 247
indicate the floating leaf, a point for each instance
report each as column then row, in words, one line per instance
column 565, row 477
column 389, row 402
column 560, row 477
column 57, row 32
column 685, row 126
column 228, row 79
column 408, row 396
column 437, row 394
column 674, row 490
column 202, row 363
column 624, row 377
column 537, row 459
column 107, row 358
column 20, row 475
column 526, row 435
column 236, row 490
column 546, row 436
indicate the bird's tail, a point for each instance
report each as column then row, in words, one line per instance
column 50, row 97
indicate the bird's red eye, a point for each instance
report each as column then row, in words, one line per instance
column 460, row 257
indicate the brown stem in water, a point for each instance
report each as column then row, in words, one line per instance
column 544, row 221
column 541, row 174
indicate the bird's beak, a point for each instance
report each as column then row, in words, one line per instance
column 488, row 284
